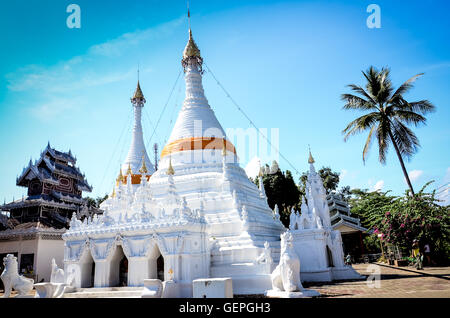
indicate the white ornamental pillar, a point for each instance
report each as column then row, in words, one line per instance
column 138, row 270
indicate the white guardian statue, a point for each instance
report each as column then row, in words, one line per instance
column 11, row 278
column 286, row 276
column 57, row 275
column 286, row 281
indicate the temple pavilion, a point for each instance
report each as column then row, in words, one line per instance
column 31, row 227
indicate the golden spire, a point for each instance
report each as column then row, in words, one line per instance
column 170, row 170
column 224, row 148
column 120, row 177
column 310, row 159
column 129, row 172
column 260, row 174
column 191, row 49
column 138, row 96
column 113, row 195
column 143, row 167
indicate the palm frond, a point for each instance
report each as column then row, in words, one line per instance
column 385, row 85
column 405, row 87
column 405, row 139
column 368, row 143
column 362, row 92
column 409, row 117
column 373, row 84
column 422, row 106
column 360, row 124
column 383, row 140
column 356, row 102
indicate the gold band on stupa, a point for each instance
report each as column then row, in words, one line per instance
column 197, row 143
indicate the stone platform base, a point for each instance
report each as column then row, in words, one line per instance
column 345, row 273
column 298, row 294
column 106, row 292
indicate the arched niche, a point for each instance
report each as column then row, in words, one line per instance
column 155, row 262
column 116, row 263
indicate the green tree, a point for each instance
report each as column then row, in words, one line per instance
column 388, row 117
column 330, row 179
column 400, row 219
column 281, row 190
column 99, row 200
column 95, row 203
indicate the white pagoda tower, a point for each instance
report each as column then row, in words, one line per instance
column 137, row 161
column 198, row 215
column 199, row 211
column 318, row 246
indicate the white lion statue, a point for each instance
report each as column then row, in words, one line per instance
column 11, row 278
column 57, row 275
column 286, row 276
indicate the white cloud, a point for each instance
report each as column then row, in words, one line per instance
column 53, row 86
column 344, row 172
column 252, row 168
column 414, row 175
column 378, row 185
column 53, row 108
column 127, row 41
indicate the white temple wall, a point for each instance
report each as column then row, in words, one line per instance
column 20, row 247
column 337, row 249
column 46, row 251
column 310, row 246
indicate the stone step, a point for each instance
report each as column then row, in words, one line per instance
column 107, row 292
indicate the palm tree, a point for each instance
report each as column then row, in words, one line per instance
column 388, row 117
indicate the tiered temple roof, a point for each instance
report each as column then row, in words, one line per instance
column 55, row 187
column 340, row 215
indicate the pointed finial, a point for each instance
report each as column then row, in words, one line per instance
column 310, row 159
column 120, row 177
column 189, row 15
column 191, row 55
column 261, row 173
column 170, row 170
column 113, row 195
column 138, row 97
column 129, row 172
column 191, row 50
column 143, row 167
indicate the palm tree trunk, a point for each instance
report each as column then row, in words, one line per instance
column 399, row 155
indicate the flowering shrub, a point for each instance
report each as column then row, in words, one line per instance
column 400, row 220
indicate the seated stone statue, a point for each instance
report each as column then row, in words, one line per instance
column 286, row 276
column 265, row 257
column 57, row 275
column 11, row 278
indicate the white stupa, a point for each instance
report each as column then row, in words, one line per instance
column 199, row 210
column 197, row 216
column 137, row 161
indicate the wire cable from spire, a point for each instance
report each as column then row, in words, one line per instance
column 127, row 125
column 164, row 108
column 248, row 118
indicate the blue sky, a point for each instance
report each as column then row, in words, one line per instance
column 285, row 63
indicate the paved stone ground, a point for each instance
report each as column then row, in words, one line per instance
column 395, row 282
